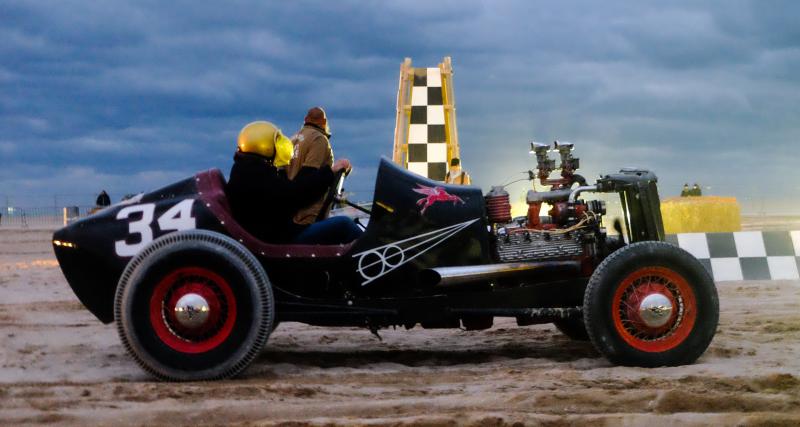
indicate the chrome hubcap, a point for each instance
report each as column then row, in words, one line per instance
column 192, row 311
column 655, row 310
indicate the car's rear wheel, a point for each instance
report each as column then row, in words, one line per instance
column 194, row 305
column 651, row 304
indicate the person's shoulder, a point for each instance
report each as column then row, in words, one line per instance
column 318, row 142
column 299, row 136
column 314, row 134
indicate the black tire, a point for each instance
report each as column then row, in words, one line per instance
column 572, row 327
column 220, row 269
column 636, row 272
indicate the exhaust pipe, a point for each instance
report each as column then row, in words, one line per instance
column 450, row 276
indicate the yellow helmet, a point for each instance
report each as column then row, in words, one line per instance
column 267, row 140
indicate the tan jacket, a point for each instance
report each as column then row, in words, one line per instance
column 311, row 149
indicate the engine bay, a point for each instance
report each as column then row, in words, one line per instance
column 571, row 228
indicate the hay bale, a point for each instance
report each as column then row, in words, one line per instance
column 704, row 214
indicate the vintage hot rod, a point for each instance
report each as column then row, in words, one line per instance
column 195, row 296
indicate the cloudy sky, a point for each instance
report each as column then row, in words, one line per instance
column 129, row 96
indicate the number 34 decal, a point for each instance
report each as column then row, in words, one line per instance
column 178, row 217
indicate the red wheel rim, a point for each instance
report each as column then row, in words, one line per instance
column 626, row 309
column 221, row 306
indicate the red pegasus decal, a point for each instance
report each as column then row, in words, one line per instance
column 433, row 195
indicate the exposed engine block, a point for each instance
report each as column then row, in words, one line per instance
column 521, row 244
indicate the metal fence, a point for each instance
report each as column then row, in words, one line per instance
column 41, row 217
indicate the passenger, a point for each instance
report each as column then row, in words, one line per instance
column 262, row 199
column 312, row 151
column 456, row 175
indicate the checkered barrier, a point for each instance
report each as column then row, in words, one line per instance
column 427, row 141
column 745, row 255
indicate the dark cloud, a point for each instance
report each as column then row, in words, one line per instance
column 131, row 95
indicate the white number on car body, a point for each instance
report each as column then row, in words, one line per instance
column 178, row 217
column 140, row 227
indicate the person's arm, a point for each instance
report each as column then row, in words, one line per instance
column 308, row 186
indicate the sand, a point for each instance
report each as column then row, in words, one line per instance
column 59, row 365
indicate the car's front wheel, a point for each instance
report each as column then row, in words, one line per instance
column 194, row 305
column 651, row 304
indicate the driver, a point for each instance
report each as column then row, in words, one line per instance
column 262, row 199
column 312, row 151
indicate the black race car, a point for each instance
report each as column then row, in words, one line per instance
column 195, row 296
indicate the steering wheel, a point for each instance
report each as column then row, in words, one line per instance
column 333, row 193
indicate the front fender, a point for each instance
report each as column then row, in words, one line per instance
column 92, row 252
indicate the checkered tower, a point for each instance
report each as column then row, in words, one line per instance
column 425, row 133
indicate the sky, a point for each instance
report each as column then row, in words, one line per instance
column 129, row 96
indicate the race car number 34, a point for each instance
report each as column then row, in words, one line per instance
column 178, row 217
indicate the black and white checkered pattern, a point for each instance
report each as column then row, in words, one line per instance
column 745, row 255
column 427, row 141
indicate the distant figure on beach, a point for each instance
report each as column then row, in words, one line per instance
column 456, row 175
column 686, row 192
column 103, row 199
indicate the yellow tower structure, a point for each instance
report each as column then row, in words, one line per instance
column 425, row 135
